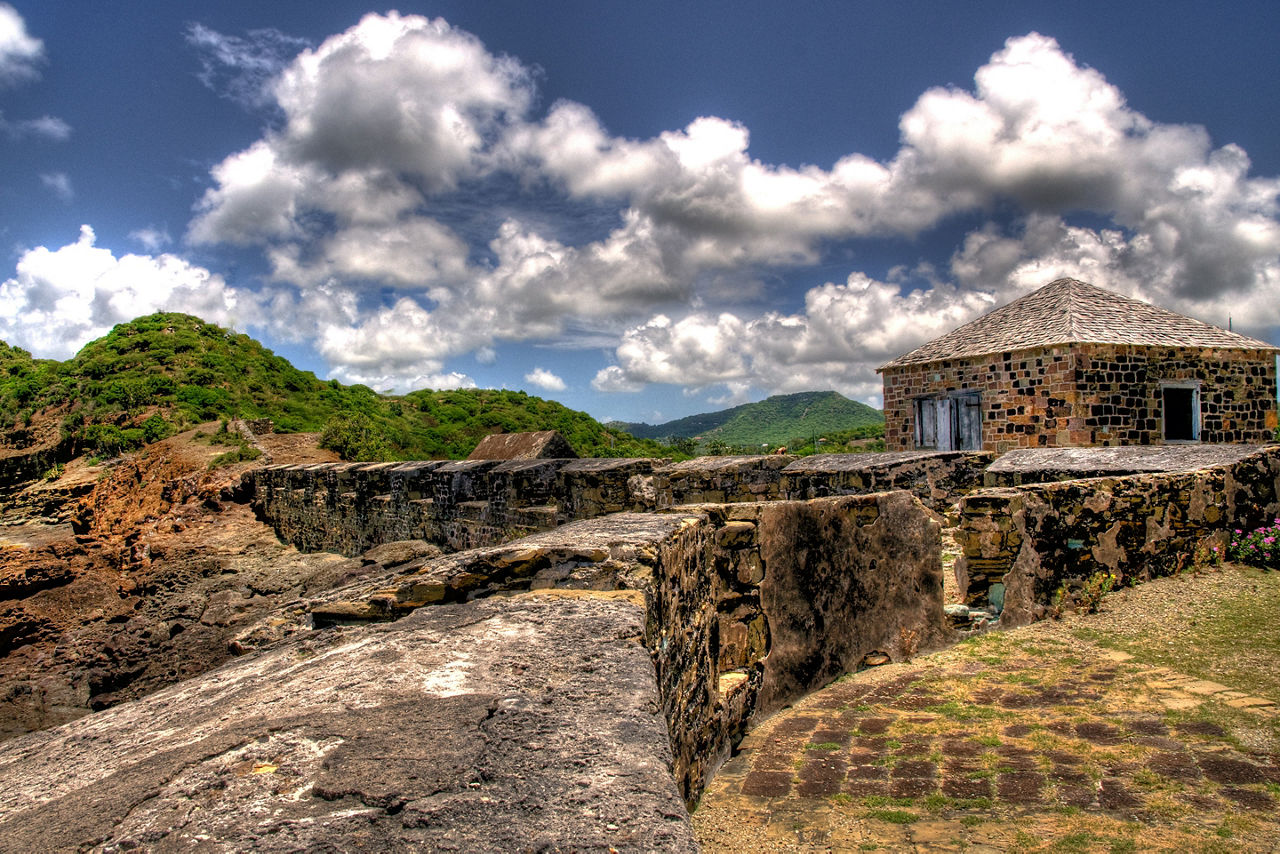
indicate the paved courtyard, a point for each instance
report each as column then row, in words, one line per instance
column 1030, row 740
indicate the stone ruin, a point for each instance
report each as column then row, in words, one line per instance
column 599, row 637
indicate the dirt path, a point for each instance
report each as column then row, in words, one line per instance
column 1036, row 739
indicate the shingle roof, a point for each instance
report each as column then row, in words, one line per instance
column 1067, row 311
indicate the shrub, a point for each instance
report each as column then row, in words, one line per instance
column 154, row 429
column 108, row 440
column 1260, row 547
column 353, row 436
column 244, row 453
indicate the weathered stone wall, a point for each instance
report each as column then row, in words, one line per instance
column 748, row 605
column 1024, row 396
column 717, row 480
column 1090, row 394
column 1034, row 539
column 1120, row 393
column 351, row 507
column 936, row 478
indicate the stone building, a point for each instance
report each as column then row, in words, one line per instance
column 1072, row 364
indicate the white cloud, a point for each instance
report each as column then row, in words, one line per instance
column 45, row 127
column 242, row 69
column 544, row 379
column 151, row 239
column 844, row 333
column 20, row 53
column 60, row 299
column 348, row 197
column 59, row 184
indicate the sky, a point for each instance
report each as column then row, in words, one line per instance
column 643, row 210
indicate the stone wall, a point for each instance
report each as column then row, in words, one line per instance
column 1034, row 539
column 1091, row 394
column 748, row 606
column 937, row 478
column 351, row 507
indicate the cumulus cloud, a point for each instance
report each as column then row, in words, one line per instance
column 843, row 334
column 20, row 53
column 544, row 379
column 382, row 126
column 62, row 298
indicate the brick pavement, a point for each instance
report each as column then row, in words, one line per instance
column 1008, row 742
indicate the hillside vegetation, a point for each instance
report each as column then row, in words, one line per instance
column 166, row 372
column 793, row 420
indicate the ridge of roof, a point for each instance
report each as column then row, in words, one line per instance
column 1069, row 311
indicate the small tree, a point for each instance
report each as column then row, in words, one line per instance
column 354, row 437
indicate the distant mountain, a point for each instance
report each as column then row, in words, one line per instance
column 167, row 372
column 775, row 420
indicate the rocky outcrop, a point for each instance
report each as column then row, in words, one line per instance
column 531, row 723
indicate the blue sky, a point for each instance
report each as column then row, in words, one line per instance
column 643, row 210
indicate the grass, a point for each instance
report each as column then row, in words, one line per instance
column 894, row 816
column 1233, row 640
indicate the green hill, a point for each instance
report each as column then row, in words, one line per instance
column 786, row 419
column 166, row 372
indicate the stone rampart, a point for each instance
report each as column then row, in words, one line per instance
column 748, row 605
column 1035, row 539
column 351, row 507
column 937, row 478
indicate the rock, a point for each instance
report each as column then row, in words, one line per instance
column 444, row 730
column 875, row 659
column 401, row 552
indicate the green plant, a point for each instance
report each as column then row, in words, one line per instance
column 1096, row 586
column 826, row 745
column 1259, row 547
column 353, row 436
column 244, row 453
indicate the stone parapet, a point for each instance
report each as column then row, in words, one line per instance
column 529, row 723
column 1037, row 539
column 937, row 478
column 351, row 507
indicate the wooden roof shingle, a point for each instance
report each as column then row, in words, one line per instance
column 1068, row 311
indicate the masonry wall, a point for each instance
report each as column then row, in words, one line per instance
column 749, row 606
column 1091, row 394
column 1038, row 538
column 351, row 507
column 1120, row 400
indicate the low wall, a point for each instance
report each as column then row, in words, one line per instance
column 936, row 478
column 1034, row 539
column 748, row 606
column 351, row 507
